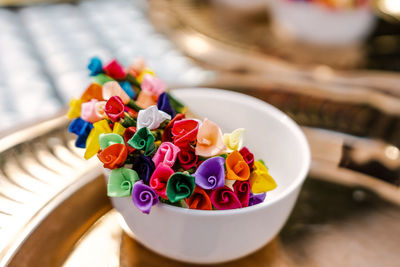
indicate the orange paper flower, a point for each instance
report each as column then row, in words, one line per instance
column 236, row 167
column 145, row 100
column 199, row 200
column 113, row 156
column 94, row 91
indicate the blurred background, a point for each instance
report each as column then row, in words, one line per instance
column 331, row 65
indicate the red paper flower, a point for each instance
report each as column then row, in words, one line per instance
column 115, row 70
column 248, row 156
column 187, row 157
column 199, row 200
column 223, row 198
column 114, row 108
column 159, row 179
column 113, row 156
column 185, row 131
column 167, row 135
column 129, row 133
column 242, row 191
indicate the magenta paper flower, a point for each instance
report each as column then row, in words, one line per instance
column 223, row 198
column 159, row 179
column 242, row 191
column 144, row 197
column 211, row 174
column 166, row 153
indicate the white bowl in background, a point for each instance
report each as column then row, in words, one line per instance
column 317, row 24
column 215, row 236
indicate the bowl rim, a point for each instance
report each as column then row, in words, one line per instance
column 278, row 115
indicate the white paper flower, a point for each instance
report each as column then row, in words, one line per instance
column 234, row 140
column 151, row 118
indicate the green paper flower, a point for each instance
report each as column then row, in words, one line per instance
column 143, row 140
column 109, row 139
column 102, row 79
column 179, row 186
column 120, row 182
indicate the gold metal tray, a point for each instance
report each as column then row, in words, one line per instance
column 54, row 210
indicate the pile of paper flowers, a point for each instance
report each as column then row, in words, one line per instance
column 155, row 153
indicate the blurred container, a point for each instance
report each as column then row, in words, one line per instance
column 314, row 23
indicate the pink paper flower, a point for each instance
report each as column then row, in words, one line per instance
column 209, row 139
column 166, row 153
column 113, row 88
column 93, row 111
column 137, row 67
column 153, row 85
column 159, row 179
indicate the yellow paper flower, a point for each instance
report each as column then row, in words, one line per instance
column 260, row 180
column 74, row 109
column 119, row 129
column 145, row 71
column 92, row 142
column 234, row 140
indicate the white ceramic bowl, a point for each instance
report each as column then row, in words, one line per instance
column 316, row 24
column 199, row 236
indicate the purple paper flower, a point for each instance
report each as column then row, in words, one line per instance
column 164, row 104
column 143, row 197
column 256, row 198
column 144, row 166
column 211, row 174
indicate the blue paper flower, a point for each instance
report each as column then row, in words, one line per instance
column 127, row 88
column 144, row 167
column 164, row 104
column 82, row 129
column 95, row 66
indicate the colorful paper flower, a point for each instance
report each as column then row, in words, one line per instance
column 109, row 139
column 199, row 200
column 119, row 129
column 92, row 142
column 211, row 173
column 115, row 108
column 101, row 79
column 184, row 131
column 93, row 111
column 94, row 91
column 242, row 191
column 127, row 87
column 159, row 179
column 236, row 167
column 167, row 135
column 145, row 71
column 95, row 66
column 179, row 186
column 166, row 153
column 247, row 156
column 234, row 140
column 260, row 180
column 144, row 166
column 82, row 129
column 113, row 156
column 143, row 140
column 151, row 118
column 114, row 70
column 143, row 197
column 187, row 157
column 223, row 198
column 256, row 199
column 120, row 182
column 113, row 88
column 209, row 139
column 74, row 108
column 152, row 85
column 145, row 100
